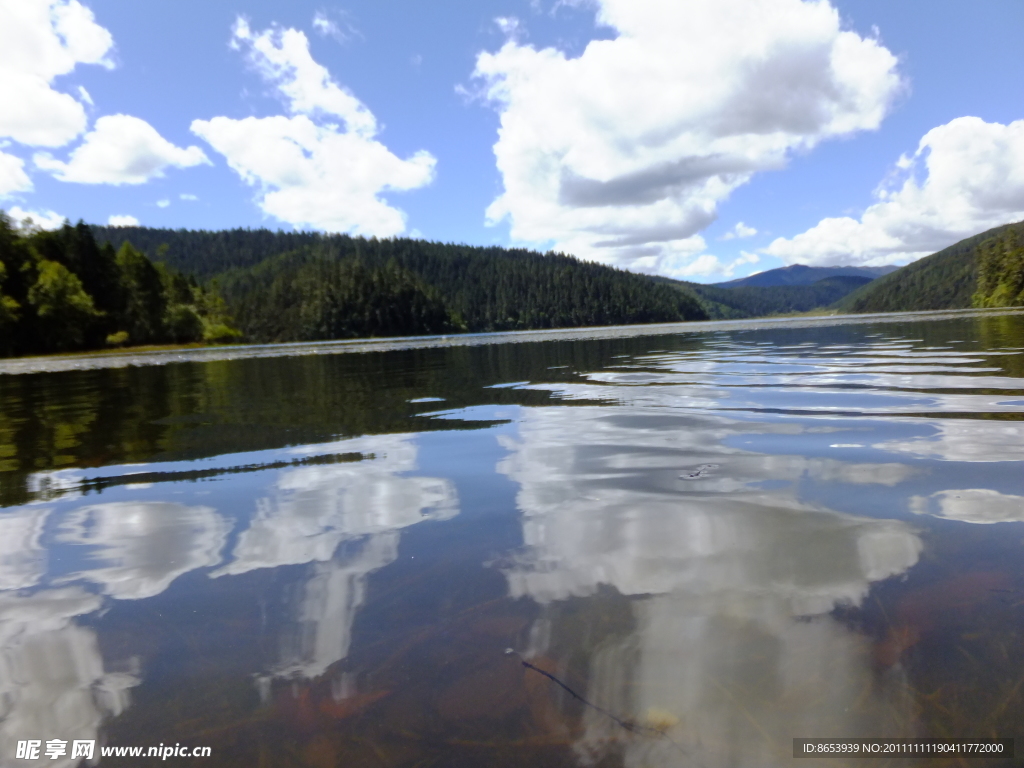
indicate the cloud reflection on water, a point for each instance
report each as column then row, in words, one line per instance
column 52, row 678
column 971, row 505
column 731, row 584
column 144, row 545
column 346, row 520
column 22, row 558
column 341, row 520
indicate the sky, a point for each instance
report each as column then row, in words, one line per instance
column 698, row 139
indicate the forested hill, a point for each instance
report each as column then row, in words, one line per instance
column 284, row 286
column 760, row 301
column 487, row 288
column 945, row 280
column 484, row 289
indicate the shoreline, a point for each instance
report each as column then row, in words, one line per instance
column 199, row 353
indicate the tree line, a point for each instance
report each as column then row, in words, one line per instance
column 1001, row 269
column 483, row 288
column 954, row 278
column 62, row 291
column 89, row 287
column 82, row 287
column 488, row 288
column 334, row 290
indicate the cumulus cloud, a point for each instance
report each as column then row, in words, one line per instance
column 623, row 154
column 119, row 220
column 705, row 265
column 188, row 196
column 41, row 40
column 741, row 230
column 121, row 149
column 311, row 171
column 163, row 203
column 973, row 180
column 702, row 266
column 36, row 219
column 12, row 175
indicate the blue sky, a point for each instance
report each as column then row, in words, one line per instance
column 702, row 139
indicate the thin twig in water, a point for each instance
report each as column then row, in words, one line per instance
column 629, row 726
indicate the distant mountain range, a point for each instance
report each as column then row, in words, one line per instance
column 800, row 274
column 985, row 270
column 721, row 303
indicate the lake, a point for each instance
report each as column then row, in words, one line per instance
column 635, row 547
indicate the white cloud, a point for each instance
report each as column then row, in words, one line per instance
column 310, row 171
column 41, row 40
column 39, row 219
column 973, row 180
column 162, row 203
column 12, row 175
column 340, row 28
column 623, row 154
column 705, row 265
column 117, row 220
column 121, row 149
column 282, row 58
column 741, row 230
column 510, row 26
column 742, row 260
column 188, row 196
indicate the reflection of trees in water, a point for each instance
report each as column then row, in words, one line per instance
column 1006, row 333
column 193, row 410
column 189, row 411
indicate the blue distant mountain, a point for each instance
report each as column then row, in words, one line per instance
column 799, row 274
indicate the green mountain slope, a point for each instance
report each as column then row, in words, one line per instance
column 487, row 289
column 1001, row 269
column 263, row 275
column 945, row 280
column 760, row 301
column 801, row 274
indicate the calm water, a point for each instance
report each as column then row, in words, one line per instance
column 721, row 541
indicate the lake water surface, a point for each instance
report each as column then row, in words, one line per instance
column 718, row 540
